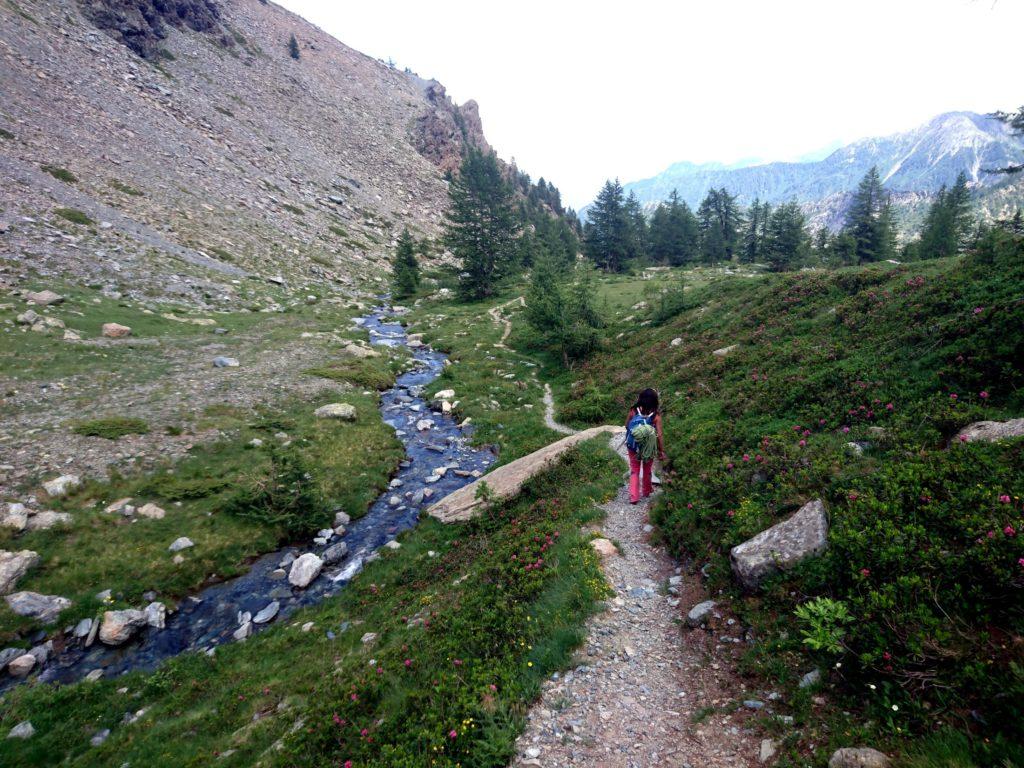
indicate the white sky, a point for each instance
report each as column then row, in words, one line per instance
column 578, row 92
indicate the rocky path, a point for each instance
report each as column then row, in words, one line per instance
column 496, row 316
column 549, row 414
column 645, row 691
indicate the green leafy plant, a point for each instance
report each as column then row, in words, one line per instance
column 825, row 621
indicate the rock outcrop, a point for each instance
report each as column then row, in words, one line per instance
column 142, row 24
column 783, row 545
column 445, row 129
column 990, row 431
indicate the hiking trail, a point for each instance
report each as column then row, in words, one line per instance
column 496, row 316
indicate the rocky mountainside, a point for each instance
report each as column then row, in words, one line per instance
column 914, row 165
column 176, row 148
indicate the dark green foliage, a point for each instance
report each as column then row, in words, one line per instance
column 1016, row 122
column 756, row 233
column 112, row 428
column 870, row 222
column 560, row 310
column 282, row 497
column 293, row 47
column 61, row 174
column 719, row 220
column 481, row 226
column 674, row 237
column 609, row 236
column 405, row 271
column 5, row 134
column 948, row 222
column 786, row 242
column 73, row 215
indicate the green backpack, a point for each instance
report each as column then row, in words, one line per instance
column 641, row 437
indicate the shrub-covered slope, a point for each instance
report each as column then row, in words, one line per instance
column 851, row 386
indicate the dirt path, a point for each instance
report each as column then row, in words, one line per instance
column 495, row 313
column 549, row 414
column 640, row 692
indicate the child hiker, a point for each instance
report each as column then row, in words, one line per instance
column 643, row 439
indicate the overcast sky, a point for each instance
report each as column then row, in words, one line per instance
column 578, row 92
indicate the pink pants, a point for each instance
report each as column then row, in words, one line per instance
column 635, row 467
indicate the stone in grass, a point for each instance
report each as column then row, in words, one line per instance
column 180, row 543
column 306, row 568
column 119, row 626
column 858, row 757
column 810, row 679
column 99, row 737
column 604, row 547
column 341, row 518
column 116, row 330
column 700, row 613
column 368, row 638
column 783, row 545
column 152, row 511
column 44, row 298
column 225, row 362
column 42, row 521
column 118, row 505
column 22, row 730
column 767, row 751
column 991, row 431
column 59, row 486
column 14, row 516
column 342, row 411
column 44, row 608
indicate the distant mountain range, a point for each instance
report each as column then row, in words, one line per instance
column 914, row 165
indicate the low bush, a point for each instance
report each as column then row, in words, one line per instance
column 73, row 215
column 61, row 174
column 112, row 427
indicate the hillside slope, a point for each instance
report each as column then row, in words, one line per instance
column 217, row 157
column 914, row 165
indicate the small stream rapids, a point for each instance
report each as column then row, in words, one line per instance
column 211, row 618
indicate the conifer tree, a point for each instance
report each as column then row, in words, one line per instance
column 674, row 236
column 787, row 243
column 293, row 47
column 719, row 219
column 560, row 309
column 481, row 225
column 608, row 238
column 870, row 221
column 405, row 270
column 948, row 221
column 638, row 229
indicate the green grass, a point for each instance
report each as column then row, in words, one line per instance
column 221, row 254
column 61, row 174
column 480, row 632
column 5, row 134
column 74, row 215
column 125, row 188
column 293, row 209
column 112, row 427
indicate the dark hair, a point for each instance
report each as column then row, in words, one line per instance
column 647, row 401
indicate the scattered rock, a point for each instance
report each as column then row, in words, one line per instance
column 99, row 737
column 225, row 362
column 14, row 516
column 59, row 486
column 334, row 553
column 243, row 631
column 44, row 298
column 767, row 751
column 424, row 424
column 156, row 615
column 858, row 757
column 118, row 505
column 94, row 675
column 22, row 730
column 28, row 317
column 369, row 637
column 70, row 335
column 700, row 613
column 676, row 341
column 44, row 608
column 119, row 626
column 342, row 411
column 811, row 678
column 42, row 521
column 724, row 350
column 340, row 518
column 990, row 431
column 82, row 628
column 22, row 665
column 393, row 545
column 304, row 570
column 803, row 535
column 355, row 350
column 116, row 330
column 267, row 613
column 445, row 394
column 604, row 547
column 180, row 543
column 152, row 511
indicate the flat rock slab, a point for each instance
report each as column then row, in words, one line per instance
column 858, row 757
column 45, row 608
column 990, row 431
column 508, row 480
column 783, row 545
column 342, row 411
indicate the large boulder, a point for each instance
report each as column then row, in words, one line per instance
column 355, row 350
column 304, row 570
column 119, row 626
column 42, row 521
column 14, row 516
column 780, row 547
column 116, row 330
column 59, row 486
column 45, row 608
column 858, row 757
column 22, row 665
column 990, row 431
column 506, row 481
column 14, row 565
column 342, row 411
column 44, row 298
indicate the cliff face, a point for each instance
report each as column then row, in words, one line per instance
column 217, row 158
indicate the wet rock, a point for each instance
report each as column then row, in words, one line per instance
column 304, row 570
column 44, row 608
column 604, row 547
column 243, row 631
column 340, row 518
column 287, row 560
column 42, row 521
column 59, row 486
column 22, row 730
column 15, row 516
column 7, row 655
column 803, row 535
column 44, row 298
column 700, row 613
column 225, row 362
column 858, row 757
column 152, row 511
column 342, row 411
column 334, row 553
column 116, row 330
column 267, row 614
column 990, row 431
column 156, row 615
column 94, row 675
column 82, row 628
column 277, row 574
column 22, row 665
column 119, row 626
column 424, row 424
column 180, row 543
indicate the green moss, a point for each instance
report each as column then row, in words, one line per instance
column 293, row 209
column 125, row 188
column 62, row 174
column 112, row 428
column 74, row 215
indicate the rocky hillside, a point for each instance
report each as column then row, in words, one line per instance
column 177, row 149
column 914, row 165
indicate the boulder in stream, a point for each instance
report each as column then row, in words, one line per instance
column 306, row 568
column 119, row 626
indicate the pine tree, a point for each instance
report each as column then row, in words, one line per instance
column 405, row 270
column 560, row 309
column 787, row 243
column 608, row 239
column 948, row 222
column 674, row 237
column 293, row 47
column 719, row 219
column 481, row 225
column 870, row 221
column 638, row 229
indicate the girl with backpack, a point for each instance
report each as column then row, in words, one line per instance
column 643, row 440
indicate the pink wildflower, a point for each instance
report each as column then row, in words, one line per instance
column 452, row 734
column 802, row 443
column 991, row 534
column 953, row 396
column 1009, row 531
column 963, row 438
column 983, row 395
column 846, row 430
column 889, row 406
column 746, row 457
column 865, row 572
column 348, row 764
column 1020, row 562
column 731, row 513
column 364, row 732
column 1004, row 498
column 408, row 663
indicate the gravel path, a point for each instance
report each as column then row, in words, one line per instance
column 549, row 414
column 641, row 682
